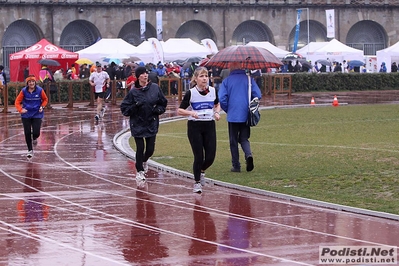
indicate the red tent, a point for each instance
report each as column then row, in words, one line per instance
column 41, row 50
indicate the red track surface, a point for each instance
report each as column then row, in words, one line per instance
column 77, row 203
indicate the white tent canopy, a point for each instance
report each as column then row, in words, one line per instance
column 106, row 47
column 310, row 48
column 146, row 48
column 279, row 53
column 174, row 49
column 336, row 51
column 182, row 48
column 388, row 55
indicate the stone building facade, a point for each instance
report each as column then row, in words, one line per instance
column 74, row 24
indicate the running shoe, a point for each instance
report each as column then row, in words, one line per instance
column 34, row 142
column 29, row 154
column 250, row 163
column 197, row 188
column 202, row 179
column 97, row 118
column 141, row 184
column 145, row 166
column 102, row 112
column 140, row 175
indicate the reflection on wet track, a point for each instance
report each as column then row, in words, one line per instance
column 76, row 202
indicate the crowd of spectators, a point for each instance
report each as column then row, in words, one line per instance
column 302, row 65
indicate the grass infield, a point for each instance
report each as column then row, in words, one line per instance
column 347, row 155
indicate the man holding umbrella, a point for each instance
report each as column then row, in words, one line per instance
column 237, row 90
column 233, row 96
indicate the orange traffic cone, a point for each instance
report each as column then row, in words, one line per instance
column 312, row 101
column 335, row 101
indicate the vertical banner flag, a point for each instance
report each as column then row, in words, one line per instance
column 330, row 23
column 298, row 19
column 210, row 45
column 159, row 25
column 142, row 25
column 157, row 50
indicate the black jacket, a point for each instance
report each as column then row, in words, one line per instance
column 144, row 105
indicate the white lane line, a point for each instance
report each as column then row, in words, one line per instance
column 28, row 234
column 207, row 208
column 216, row 212
column 140, row 225
column 152, row 194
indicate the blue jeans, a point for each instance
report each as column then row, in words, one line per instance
column 239, row 133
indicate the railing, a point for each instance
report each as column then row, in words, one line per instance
column 70, row 91
column 206, row 2
column 60, row 92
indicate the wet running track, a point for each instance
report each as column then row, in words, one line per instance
column 76, row 202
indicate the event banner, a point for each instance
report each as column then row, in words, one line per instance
column 330, row 23
column 159, row 25
column 142, row 25
column 157, row 50
column 210, row 45
column 298, row 19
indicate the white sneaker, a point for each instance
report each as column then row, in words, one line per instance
column 141, row 184
column 145, row 166
column 202, row 179
column 140, row 175
column 102, row 112
column 30, row 154
column 197, row 188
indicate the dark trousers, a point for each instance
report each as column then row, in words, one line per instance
column 31, row 129
column 239, row 133
column 141, row 155
column 202, row 137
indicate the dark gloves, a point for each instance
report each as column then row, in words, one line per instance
column 158, row 110
column 128, row 109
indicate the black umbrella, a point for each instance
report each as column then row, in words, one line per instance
column 292, row 56
column 49, row 62
column 305, row 63
column 186, row 65
column 180, row 62
column 323, row 62
column 194, row 59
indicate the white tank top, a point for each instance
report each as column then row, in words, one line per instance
column 202, row 104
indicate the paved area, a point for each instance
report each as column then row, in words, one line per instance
column 76, row 202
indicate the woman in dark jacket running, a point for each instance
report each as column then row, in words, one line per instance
column 144, row 103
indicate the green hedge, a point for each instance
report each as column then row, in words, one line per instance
column 301, row 82
column 306, row 82
column 81, row 91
